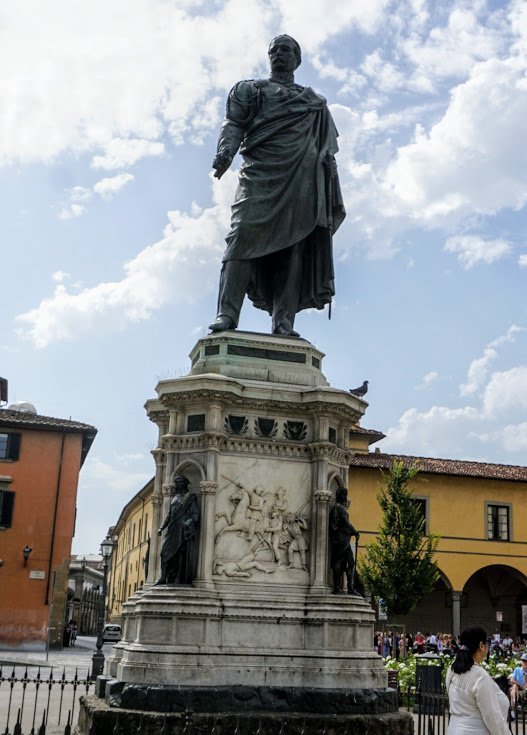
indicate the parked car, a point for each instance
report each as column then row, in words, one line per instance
column 111, row 633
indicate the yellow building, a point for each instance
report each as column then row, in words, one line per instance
column 479, row 510
column 129, row 562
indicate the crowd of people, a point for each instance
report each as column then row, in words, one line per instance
column 398, row 645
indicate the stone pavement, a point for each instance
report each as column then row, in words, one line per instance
column 76, row 657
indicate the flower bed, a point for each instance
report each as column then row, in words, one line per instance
column 406, row 668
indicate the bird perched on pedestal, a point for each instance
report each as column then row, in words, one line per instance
column 361, row 390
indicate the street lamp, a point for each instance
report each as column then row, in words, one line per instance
column 98, row 656
column 26, row 551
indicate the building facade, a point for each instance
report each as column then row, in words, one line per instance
column 129, row 562
column 85, row 592
column 40, row 460
column 479, row 510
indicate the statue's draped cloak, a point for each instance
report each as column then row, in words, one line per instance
column 181, row 536
column 288, row 190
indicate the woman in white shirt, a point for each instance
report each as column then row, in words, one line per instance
column 477, row 704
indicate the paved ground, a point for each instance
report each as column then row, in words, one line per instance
column 77, row 656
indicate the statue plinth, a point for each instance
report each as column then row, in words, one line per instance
column 263, row 439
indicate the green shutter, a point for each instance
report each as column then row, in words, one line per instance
column 13, row 446
column 7, row 502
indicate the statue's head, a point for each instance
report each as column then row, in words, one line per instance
column 284, row 53
column 181, row 483
column 341, row 496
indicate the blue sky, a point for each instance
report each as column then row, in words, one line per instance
column 112, row 226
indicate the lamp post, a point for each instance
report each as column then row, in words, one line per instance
column 26, row 551
column 98, row 656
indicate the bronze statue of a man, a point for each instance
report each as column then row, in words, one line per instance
column 340, row 533
column 179, row 552
column 288, row 202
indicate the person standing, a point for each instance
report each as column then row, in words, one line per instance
column 518, row 680
column 477, row 704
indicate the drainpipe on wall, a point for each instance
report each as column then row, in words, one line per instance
column 55, row 513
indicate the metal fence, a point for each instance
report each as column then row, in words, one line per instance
column 33, row 702
column 36, row 703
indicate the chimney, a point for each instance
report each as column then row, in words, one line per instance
column 3, row 390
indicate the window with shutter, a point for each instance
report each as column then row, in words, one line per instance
column 7, row 502
column 10, row 446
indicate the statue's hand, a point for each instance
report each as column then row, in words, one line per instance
column 221, row 163
column 159, row 531
column 357, row 535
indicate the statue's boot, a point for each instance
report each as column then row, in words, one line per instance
column 285, row 331
column 222, row 323
column 337, row 591
column 161, row 580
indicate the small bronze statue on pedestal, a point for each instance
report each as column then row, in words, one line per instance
column 340, row 533
column 179, row 552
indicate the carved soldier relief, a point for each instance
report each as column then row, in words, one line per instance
column 260, row 529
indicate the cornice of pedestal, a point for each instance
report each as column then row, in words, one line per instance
column 282, row 399
column 327, row 450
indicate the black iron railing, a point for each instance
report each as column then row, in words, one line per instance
column 32, row 700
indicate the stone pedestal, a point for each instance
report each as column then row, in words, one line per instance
column 263, row 439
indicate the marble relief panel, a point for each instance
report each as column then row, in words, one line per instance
column 262, row 520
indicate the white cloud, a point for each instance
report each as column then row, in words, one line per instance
column 118, row 485
column 427, row 380
column 314, row 24
column 522, row 261
column 71, row 211
column 514, row 437
column 79, row 194
column 506, row 393
column 108, row 188
column 472, row 250
column 493, row 426
column 125, row 152
column 472, row 151
column 97, row 473
column 479, row 368
column 436, row 432
column 59, row 276
column 124, row 73
column 453, row 49
column 116, row 80
column 162, row 273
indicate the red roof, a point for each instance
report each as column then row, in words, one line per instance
column 443, row 466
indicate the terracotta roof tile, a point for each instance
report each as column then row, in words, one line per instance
column 444, row 466
column 30, row 421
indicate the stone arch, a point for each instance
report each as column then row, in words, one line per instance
column 491, row 589
column 334, row 482
column 446, row 581
column 191, row 469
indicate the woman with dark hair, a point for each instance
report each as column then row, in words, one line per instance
column 477, row 704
